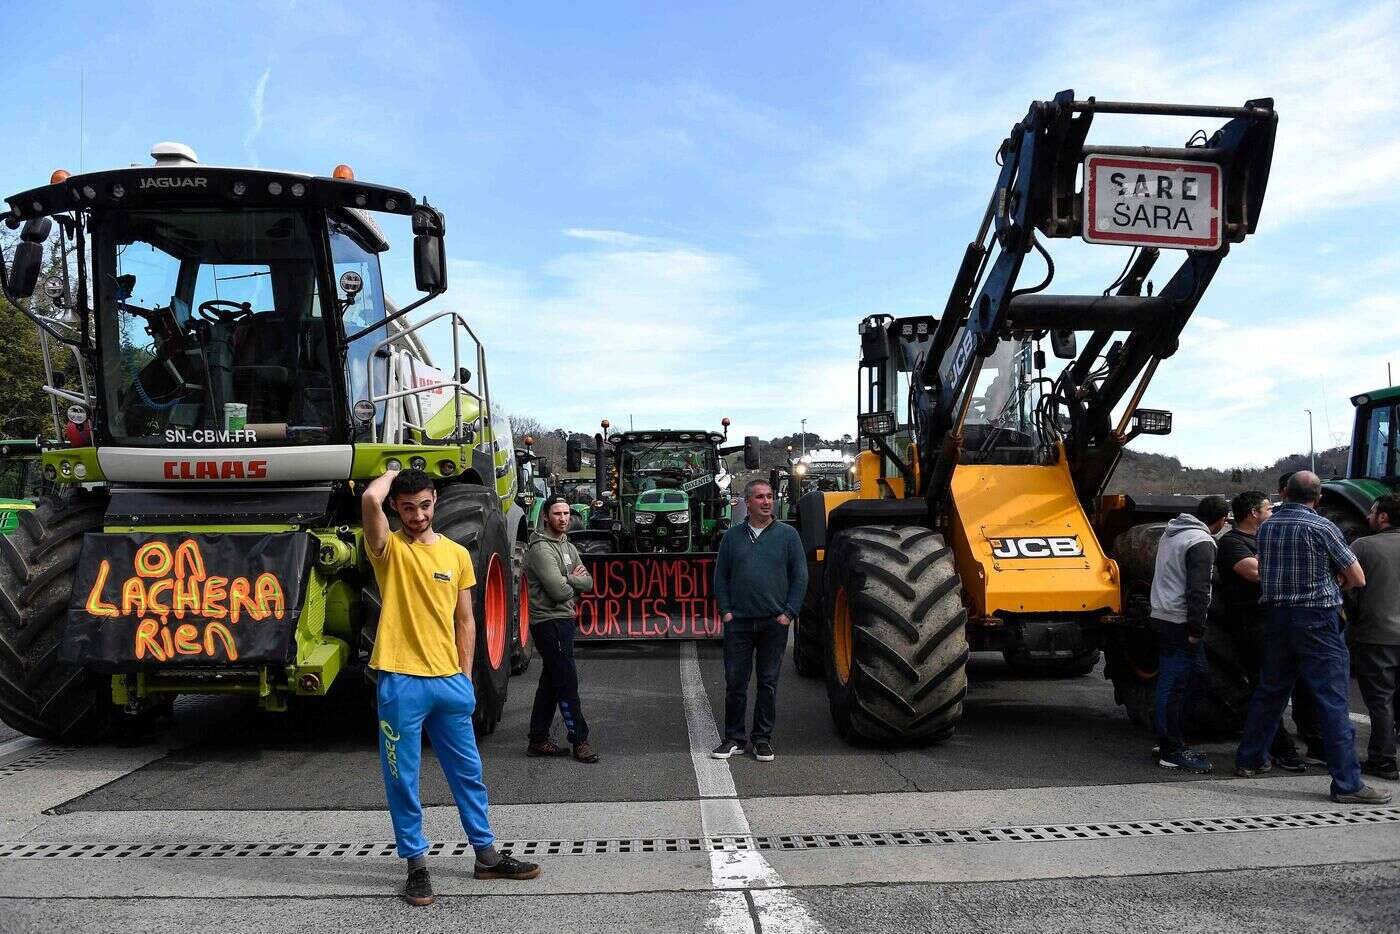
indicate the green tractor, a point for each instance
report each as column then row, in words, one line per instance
column 19, row 481
column 234, row 376
column 1373, row 468
column 666, row 491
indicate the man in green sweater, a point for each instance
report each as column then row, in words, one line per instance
column 554, row 577
column 760, row 577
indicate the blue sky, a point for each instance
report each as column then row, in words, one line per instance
column 680, row 212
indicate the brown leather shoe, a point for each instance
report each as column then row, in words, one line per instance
column 547, row 748
column 584, row 753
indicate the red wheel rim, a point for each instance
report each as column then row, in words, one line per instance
column 496, row 603
column 524, row 598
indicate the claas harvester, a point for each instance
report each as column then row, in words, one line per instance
column 226, row 374
column 979, row 521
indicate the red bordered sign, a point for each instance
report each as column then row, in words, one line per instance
column 1166, row 203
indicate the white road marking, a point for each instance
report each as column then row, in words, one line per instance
column 721, row 813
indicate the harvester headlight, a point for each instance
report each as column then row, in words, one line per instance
column 678, row 518
column 417, row 462
column 298, row 189
column 646, row 518
column 77, row 414
column 50, row 473
column 240, row 189
column 119, row 190
column 80, row 471
column 391, row 204
column 393, row 464
column 447, row 468
column 65, row 468
column 274, row 188
column 89, row 192
column 361, row 199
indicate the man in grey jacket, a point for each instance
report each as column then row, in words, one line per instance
column 554, row 577
column 1180, row 604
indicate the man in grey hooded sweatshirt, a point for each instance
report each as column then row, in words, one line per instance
column 1180, row 604
column 554, row 577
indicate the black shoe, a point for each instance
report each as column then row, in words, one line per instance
column 1381, row 768
column 418, row 890
column 507, row 867
column 726, row 749
column 1256, row 771
column 1292, row 763
column 1313, row 757
column 763, row 752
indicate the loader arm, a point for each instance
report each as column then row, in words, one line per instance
column 1039, row 195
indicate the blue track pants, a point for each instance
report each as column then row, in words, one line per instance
column 408, row 704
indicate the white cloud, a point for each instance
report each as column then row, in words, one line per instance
column 255, row 106
column 663, row 332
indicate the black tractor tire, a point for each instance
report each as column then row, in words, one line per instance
column 1074, row 667
column 1344, row 516
column 1219, row 705
column 471, row 516
column 897, row 654
column 39, row 695
column 810, row 640
column 593, row 546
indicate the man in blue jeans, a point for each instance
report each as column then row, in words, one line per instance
column 1302, row 556
column 760, row 577
column 1181, row 583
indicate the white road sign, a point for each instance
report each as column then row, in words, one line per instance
column 1166, row 203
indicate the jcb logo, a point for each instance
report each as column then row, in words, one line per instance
column 1055, row 546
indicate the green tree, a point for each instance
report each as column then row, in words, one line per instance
column 24, row 409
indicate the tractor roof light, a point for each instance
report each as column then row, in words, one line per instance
column 344, row 173
column 58, row 176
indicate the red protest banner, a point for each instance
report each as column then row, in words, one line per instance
column 649, row 596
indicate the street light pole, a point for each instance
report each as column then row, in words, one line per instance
column 804, row 437
column 1312, row 456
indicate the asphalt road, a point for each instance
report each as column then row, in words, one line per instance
column 1034, row 763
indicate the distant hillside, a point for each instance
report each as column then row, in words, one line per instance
column 1139, row 472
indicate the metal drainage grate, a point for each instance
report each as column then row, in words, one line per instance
column 47, row 754
column 1200, row 826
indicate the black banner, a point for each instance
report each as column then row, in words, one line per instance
column 649, row 596
column 147, row 601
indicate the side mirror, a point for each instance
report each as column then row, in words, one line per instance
column 573, row 455
column 429, row 253
column 464, row 376
column 751, row 458
column 29, row 256
column 1064, row 344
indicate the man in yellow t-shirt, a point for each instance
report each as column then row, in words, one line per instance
column 423, row 654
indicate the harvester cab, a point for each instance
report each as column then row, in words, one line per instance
column 225, row 372
column 977, row 521
column 825, row 470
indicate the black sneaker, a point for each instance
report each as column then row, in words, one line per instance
column 763, row 752
column 726, row 749
column 1256, row 771
column 1381, row 768
column 507, row 867
column 1313, row 757
column 1290, row 763
column 1186, row 760
column 418, row 890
